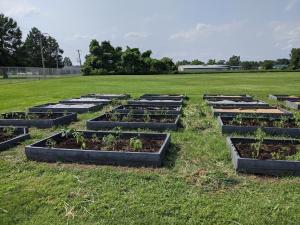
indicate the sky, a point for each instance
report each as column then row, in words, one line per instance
column 180, row 29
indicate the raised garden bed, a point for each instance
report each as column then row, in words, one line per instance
column 12, row 136
column 140, row 109
column 155, row 102
column 235, row 103
column 275, row 157
column 219, row 97
column 293, row 104
column 39, row 120
column 284, row 97
column 134, row 121
column 249, row 125
column 163, row 97
column 86, row 100
column 66, row 107
column 108, row 148
column 107, row 96
column 263, row 112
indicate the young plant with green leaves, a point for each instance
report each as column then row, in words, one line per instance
column 260, row 136
column 9, row 131
column 147, row 117
column 49, row 113
column 109, row 141
column 282, row 122
column 297, row 119
column 238, row 119
column 136, row 144
column 50, row 143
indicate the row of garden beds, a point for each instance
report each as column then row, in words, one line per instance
column 14, row 125
column 258, row 154
column 115, row 147
column 291, row 101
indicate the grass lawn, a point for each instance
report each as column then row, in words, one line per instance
column 197, row 185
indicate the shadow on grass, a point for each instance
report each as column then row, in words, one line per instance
column 171, row 156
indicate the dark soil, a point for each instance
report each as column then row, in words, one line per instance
column 138, row 118
column 31, row 116
column 119, row 145
column 267, row 151
column 289, row 123
column 4, row 137
column 129, row 107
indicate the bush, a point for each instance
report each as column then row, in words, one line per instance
column 86, row 70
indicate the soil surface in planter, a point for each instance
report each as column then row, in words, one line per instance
column 159, row 108
column 31, row 116
column 119, row 145
column 262, row 122
column 267, row 151
column 236, row 102
column 138, row 118
column 69, row 106
column 87, row 99
column 274, row 111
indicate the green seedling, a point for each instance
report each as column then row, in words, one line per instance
column 147, row 117
column 9, row 131
column 50, row 143
column 282, row 122
column 238, row 119
column 109, row 141
column 297, row 118
column 259, row 138
column 136, row 144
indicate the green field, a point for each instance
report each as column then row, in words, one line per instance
column 197, row 185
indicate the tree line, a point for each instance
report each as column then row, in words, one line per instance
column 15, row 52
column 291, row 64
column 103, row 58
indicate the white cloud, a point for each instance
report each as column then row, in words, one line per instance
column 76, row 37
column 291, row 4
column 18, row 8
column 205, row 30
column 135, row 35
column 286, row 35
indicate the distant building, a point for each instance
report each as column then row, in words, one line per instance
column 280, row 67
column 206, row 68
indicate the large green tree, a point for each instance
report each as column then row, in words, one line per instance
column 234, row 61
column 67, row 62
column 268, row 64
column 197, row 62
column 10, row 41
column 104, row 58
column 36, row 42
column 211, row 62
column 295, row 59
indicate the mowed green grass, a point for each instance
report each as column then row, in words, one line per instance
column 197, row 184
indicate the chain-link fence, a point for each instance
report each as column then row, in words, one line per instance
column 33, row 72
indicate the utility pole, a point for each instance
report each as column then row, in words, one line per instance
column 79, row 58
column 42, row 54
column 57, row 58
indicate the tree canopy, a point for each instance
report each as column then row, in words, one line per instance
column 104, row 58
column 10, row 41
column 67, row 62
column 13, row 52
column 295, row 59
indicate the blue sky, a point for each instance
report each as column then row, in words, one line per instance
column 180, row 29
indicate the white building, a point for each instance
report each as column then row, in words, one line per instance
column 203, row 68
